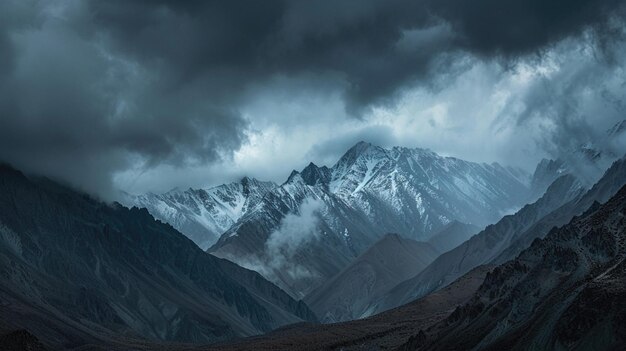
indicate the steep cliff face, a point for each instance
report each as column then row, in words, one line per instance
column 75, row 270
column 566, row 291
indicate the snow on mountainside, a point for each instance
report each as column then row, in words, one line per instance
column 370, row 191
column 417, row 191
column 203, row 214
column 298, row 235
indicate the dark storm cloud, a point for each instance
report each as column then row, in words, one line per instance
column 520, row 26
column 91, row 88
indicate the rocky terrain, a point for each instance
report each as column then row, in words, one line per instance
column 565, row 291
column 77, row 271
column 483, row 247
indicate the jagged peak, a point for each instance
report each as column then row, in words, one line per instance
column 311, row 167
column 366, row 148
column 362, row 143
column 248, row 181
column 361, row 147
column 547, row 166
column 293, row 174
column 355, row 152
column 313, row 175
column 420, row 150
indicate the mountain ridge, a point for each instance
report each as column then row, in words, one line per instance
column 565, row 291
column 368, row 192
column 203, row 214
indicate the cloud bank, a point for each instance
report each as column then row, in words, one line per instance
column 148, row 95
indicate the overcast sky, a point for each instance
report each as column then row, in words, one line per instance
column 150, row 95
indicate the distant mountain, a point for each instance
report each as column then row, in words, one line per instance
column 349, row 294
column 498, row 243
column 368, row 192
column 452, row 235
column 203, row 214
column 77, row 271
column 416, row 192
column 546, row 172
column 586, row 161
column 565, row 292
column 612, row 180
column 483, row 247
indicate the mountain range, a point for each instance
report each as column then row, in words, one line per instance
column 498, row 243
column 369, row 192
column 203, row 214
column 564, row 292
column 470, row 265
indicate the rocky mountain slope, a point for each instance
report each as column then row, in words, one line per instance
column 385, row 331
column 612, row 180
column 368, row 192
column 483, row 247
column 566, row 291
column 203, row 214
column 452, row 235
column 501, row 242
column 349, row 294
column 76, row 271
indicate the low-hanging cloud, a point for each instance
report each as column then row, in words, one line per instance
column 296, row 230
column 279, row 256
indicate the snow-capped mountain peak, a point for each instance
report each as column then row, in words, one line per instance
column 314, row 175
column 370, row 191
column 204, row 214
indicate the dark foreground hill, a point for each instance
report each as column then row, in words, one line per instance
column 565, row 292
column 76, row 271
